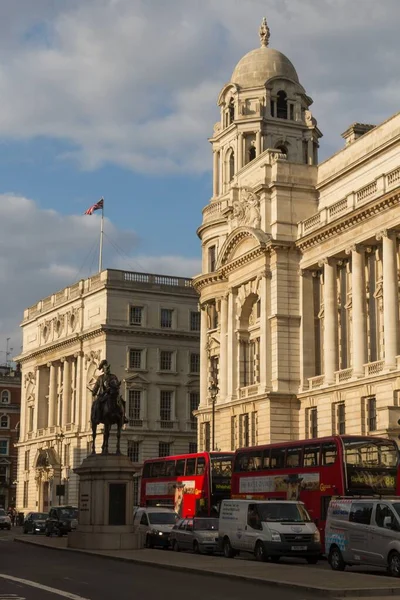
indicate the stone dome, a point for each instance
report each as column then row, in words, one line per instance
column 260, row 65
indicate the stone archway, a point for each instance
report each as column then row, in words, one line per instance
column 47, row 469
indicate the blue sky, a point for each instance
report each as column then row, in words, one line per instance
column 117, row 98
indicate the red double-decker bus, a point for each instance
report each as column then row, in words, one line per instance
column 192, row 484
column 314, row 470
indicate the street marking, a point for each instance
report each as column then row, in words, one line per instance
column 45, row 588
column 11, row 597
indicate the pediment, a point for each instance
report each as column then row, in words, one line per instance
column 5, row 461
column 241, row 241
column 136, row 378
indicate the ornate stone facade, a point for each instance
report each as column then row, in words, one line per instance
column 300, row 273
column 147, row 327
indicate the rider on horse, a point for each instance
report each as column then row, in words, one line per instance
column 100, row 389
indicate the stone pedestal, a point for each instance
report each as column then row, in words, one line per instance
column 105, row 504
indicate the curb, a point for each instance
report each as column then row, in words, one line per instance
column 328, row 592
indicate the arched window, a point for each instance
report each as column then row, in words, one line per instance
column 252, row 152
column 231, row 165
column 4, row 422
column 282, row 149
column 282, row 109
column 231, row 109
column 5, row 397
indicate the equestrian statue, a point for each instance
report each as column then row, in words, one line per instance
column 108, row 407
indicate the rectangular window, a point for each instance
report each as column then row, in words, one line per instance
column 135, row 358
column 166, row 360
column 212, row 256
column 254, row 428
column 328, row 453
column 3, row 474
column 194, row 362
column 293, row 457
column 312, row 423
column 27, row 454
column 291, row 108
column 26, row 491
column 277, row 459
column 361, row 512
column 340, row 418
column 133, row 451
column 30, row 418
column 371, row 409
column 244, row 434
column 214, row 369
column 4, row 422
column 165, row 406
column 194, row 401
column 135, row 407
column 166, row 318
column 233, row 432
column 3, row 447
column 311, row 456
column 164, row 449
column 136, row 315
column 194, row 321
column 192, row 450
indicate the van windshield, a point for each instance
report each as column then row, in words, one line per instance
column 163, row 518
column 284, row 513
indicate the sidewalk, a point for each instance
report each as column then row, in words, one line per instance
column 323, row 582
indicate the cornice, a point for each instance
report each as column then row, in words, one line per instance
column 171, row 334
column 348, row 221
column 54, row 346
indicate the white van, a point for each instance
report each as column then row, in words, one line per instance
column 155, row 524
column 269, row 529
column 363, row 531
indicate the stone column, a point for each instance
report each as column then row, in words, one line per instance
column 36, row 417
column 390, row 296
column 66, row 401
column 265, row 341
column 258, row 143
column 232, row 346
column 307, row 336
column 223, row 360
column 215, row 174
column 52, row 394
column 240, row 151
column 74, row 389
column 330, row 320
column 203, row 355
column 359, row 331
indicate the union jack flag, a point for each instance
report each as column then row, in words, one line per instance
column 98, row 206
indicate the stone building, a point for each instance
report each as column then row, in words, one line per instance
column 10, row 406
column 300, row 269
column 147, row 327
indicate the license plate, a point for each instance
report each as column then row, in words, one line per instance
column 298, row 548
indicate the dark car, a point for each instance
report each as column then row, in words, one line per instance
column 35, row 522
column 5, row 521
column 61, row 520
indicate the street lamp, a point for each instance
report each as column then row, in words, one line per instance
column 60, row 489
column 213, row 390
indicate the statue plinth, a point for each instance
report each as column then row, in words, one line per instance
column 105, row 504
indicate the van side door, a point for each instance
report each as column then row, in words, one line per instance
column 383, row 532
column 253, row 528
column 359, row 528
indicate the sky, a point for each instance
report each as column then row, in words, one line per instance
column 117, row 99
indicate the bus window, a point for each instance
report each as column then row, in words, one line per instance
column 169, row 468
column 328, row 453
column 157, row 469
column 311, row 456
column 277, row 458
column 242, row 462
column 190, row 466
column 266, row 464
column 293, row 457
column 180, row 467
column 201, row 465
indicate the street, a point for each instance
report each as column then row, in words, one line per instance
column 82, row 577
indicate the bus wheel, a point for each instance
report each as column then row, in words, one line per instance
column 228, row 550
column 259, row 552
column 394, row 564
column 336, row 559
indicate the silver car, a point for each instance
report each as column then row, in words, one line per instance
column 198, row 534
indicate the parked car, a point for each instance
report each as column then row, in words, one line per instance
column 268, row 529
column 35, row 522
column 5, row 521
column 156, row 524
column 61, row 520
column 198, row 534
column 364, row 531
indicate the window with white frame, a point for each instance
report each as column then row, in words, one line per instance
column 4, row 422
column 194, row 362
column 164, row 449
column 136, row 315
column 135, row 407
column 194, row 320
column 244, row 430
column 4, row 447
column 135, row 358
column 371, row 414
column 339, row 416
column 5, row 397
column 311, row 423
column 194, row 401
column 27, row 462
column 166, row 360
column 166, row 406
column 166, row 317
column 134, row 451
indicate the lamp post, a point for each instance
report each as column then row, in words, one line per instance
column 60, row 489
column 213, row 390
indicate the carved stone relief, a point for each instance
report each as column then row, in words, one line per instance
column 245, row 210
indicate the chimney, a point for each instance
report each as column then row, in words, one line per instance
column 355, row 131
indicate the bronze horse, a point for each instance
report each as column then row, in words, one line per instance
column 107, row 410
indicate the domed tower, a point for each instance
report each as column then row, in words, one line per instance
column 265, row 149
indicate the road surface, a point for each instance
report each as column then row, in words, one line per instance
column 34, row 573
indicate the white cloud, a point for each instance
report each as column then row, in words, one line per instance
column 42, row 251
column 135, row 82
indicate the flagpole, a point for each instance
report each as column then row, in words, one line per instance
column 101, row 239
